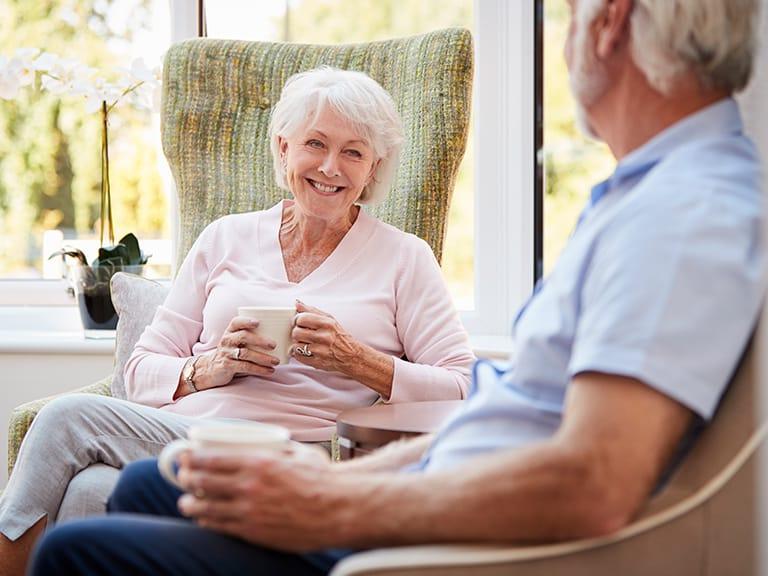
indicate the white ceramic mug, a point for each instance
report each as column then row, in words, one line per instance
column 275, row 323
column 236, row 438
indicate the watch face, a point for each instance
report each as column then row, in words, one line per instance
column 186, row 373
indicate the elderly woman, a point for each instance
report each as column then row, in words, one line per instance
column 367, row 296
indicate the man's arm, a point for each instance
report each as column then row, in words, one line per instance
column 391, row 457
column 591, row 478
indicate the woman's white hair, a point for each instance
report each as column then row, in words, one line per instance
column 715, row 39
column 358, row 99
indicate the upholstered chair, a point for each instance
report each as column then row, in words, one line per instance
column 702, row 523
column 217, row 99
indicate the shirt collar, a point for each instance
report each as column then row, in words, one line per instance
column 720, row 118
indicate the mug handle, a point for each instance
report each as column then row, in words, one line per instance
column 167, row 459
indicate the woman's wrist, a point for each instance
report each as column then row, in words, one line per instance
column 372, row 368
column 201, row 372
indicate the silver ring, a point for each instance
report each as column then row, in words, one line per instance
column 304, row 350
column 237, row 353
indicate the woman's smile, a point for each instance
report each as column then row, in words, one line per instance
column 324, row 189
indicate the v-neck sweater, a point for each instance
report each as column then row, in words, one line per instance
column 382, row 285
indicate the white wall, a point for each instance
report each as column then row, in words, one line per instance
column 42, row 352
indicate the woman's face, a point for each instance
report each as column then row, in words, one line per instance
column 327, row 166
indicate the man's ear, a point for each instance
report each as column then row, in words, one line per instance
column 612, row 26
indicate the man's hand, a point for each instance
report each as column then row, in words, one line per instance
column 282, row 500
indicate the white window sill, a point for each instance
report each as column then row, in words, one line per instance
column 57, row 330
column 493, row 347
column 47, row 330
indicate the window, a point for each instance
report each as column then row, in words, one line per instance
column 573, row 163
column 50, row 146
column 488, row 259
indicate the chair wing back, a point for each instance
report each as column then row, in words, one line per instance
column 734, row 424
column 217, row 100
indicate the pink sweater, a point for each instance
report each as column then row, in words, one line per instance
column 382, row 285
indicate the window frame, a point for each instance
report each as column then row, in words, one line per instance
column 503, row 112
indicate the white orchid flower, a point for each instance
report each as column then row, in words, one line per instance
column 101, row 91
column 143, row 73
column 46, row 61
column 16, row 72
column 28, row 55
column 9, row 82
column 23, row 66
column 64, row 75
column 68, row 76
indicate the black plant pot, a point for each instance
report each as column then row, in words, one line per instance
column 94, row 297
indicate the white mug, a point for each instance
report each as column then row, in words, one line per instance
column 236, row 438
column 275, row 323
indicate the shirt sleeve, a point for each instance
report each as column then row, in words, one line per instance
column 671, row 297
column 153, row 370
column 439, row 357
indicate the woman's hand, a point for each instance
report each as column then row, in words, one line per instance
column 284, row 500
column 331, row 348
column 241, row 351
column 320, row 341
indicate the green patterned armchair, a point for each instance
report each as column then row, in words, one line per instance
column 217, row 98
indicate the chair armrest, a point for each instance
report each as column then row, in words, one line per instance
column 23, row 415
column 449, row 559
column 493, row 560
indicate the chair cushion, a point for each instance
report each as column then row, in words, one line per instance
column 136, row 300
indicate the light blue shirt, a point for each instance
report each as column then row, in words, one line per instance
column 661, row 281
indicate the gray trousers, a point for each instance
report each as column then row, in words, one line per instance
column 71, row 457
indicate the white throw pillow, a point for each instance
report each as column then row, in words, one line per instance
column 136, row 300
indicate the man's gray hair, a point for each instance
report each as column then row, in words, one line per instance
column 358, row 99
column 713, row 38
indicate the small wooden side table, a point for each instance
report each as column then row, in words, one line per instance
column 362, row 430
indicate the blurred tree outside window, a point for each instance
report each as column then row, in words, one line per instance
column 339, row 21
column 572, row 162
column 50, row 147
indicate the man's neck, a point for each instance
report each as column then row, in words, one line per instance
column 631, row 113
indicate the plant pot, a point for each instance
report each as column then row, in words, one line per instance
column 94, row 298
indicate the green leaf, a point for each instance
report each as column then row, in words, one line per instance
column 131, row 244
column 116, row 255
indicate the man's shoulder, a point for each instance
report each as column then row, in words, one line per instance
column 727, row 166
column 705, row 182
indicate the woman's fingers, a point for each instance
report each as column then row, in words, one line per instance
column 301, row 307
column 309, row 336
column 255, row 357
column 313, row 321
column 242, row 323
column 248, row 339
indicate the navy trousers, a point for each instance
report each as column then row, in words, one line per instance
column 145, row 534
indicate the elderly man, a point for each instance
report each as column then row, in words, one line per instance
column 622, row 353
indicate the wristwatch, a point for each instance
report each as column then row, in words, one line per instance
column 188, row 373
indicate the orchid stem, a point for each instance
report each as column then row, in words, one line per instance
column 106, row 195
